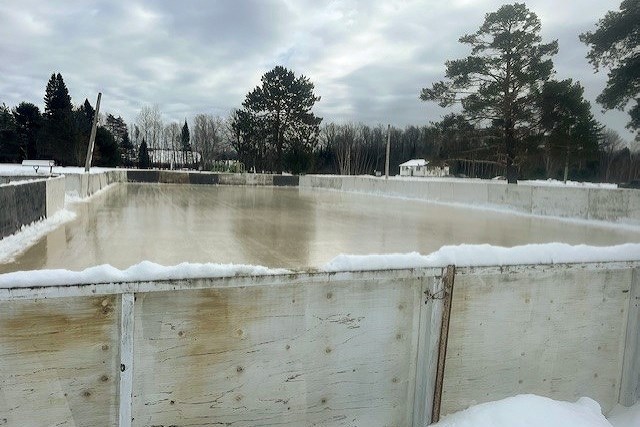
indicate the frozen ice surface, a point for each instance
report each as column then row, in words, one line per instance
column 290, row 228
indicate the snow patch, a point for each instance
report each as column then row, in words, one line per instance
column 144, row 271
column 487, row 255
column 15, row 244
column 16, row 169
column 530, row 411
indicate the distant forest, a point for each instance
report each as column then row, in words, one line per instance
column 509, row 118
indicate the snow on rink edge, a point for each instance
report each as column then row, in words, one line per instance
column 14, row 244
column 483, row 255
column 462, row 256
column 529, row 410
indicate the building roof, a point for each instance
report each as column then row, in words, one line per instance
column 415, row 162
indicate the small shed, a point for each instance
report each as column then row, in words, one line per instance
column 421, row 167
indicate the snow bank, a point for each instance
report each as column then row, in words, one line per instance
column 530, row 411
column 487, row 255
column 625, row 417
column 13, row 245
column 534, row 182
column 144, row 271
column 556, row 183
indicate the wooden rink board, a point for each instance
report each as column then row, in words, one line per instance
column 557, row 332
column 59, row 361
column 339, row 354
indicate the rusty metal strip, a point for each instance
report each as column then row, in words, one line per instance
column 448, row 277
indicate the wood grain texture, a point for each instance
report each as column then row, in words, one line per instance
column 630, row 387
column 58, row 362
column 555, row 331
column 335, row 353
column 427, row 362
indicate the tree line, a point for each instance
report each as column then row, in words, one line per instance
column 512, row 118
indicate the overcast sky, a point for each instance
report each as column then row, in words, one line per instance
column 368, row 59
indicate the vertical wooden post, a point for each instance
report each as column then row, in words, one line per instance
column 427, row 357
column 448, row 279
column 386, row 163
column 630, row 382
column 126, row 360
column 92, row 138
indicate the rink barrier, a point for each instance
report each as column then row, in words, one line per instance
column 25, row 201
column 590, row 203
column 211, row 178
column 317, row 348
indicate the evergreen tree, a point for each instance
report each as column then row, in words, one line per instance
column 144, row 162
column 185, row 137
column 614, row 45
column 9, row 145
column 571, row 131
column 59, row 133
column 280, row 110
column 28, row 125
column 185, row 145
column 83, row 122
column 497, row 84
column 120, row 132
column 107, row 150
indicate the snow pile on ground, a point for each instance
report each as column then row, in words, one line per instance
column 530, row 411
column 534, row 182
column 487, row 255
column 14, row 244
column 625, row 417
column 555, row 183
column 142, row 272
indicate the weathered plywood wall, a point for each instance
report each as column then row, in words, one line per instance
column 334, row 353
column 556, row 331
column 58, row 361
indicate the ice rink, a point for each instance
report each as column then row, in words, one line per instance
column 278, row 227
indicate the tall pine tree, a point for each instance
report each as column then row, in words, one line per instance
column 59, row 134
column 498, row 82
column 280, row 111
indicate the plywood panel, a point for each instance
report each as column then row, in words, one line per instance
column 553, row 331
column 630, row 387
column 58, row 361
column 334, row 353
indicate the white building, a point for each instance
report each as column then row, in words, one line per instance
column 421, row 167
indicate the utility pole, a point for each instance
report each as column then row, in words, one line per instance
column 92, row 138
column 386, row 163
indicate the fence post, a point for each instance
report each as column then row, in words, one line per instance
column 630, row 381
column 126, row 360
column 448, row 280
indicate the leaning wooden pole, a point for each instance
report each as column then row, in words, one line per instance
column 92, row 138
column 386, row 163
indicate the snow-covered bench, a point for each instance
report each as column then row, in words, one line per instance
column 36, row 164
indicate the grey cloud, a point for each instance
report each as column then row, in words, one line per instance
column 368, row 59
